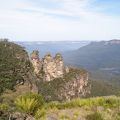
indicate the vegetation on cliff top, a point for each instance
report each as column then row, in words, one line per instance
column 97, row 108
column 14, row 64
column 51, row 90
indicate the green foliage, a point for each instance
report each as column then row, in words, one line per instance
column 14, row 64
column 4, row 110
column 102, row 88
column 94, row 56
column 37, row 97
column 118, row 93
column 76, row 114
column 118, row 116
column 102, row 61
column 95, row 116
column 4, row 107
column 107, row 102
column 51, row 90
column 63, row 116
column 40, row 114
column 29, row 103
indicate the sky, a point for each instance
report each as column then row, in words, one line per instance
column 55, row 20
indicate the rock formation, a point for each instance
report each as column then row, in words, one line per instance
column 77, row 86
column 36, row 61
column 47, row 75
column 51, row 67
column 72, row 85
column 57, row 82
column 59, row 65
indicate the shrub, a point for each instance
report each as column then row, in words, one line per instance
column 95, row 116
column 118, row 116
column 40, row 114
column 29, row 103
column 111, row 102
column 4, row 107
column 53, row 104
column 76, row 114
column 37, row 97
column 64, row 117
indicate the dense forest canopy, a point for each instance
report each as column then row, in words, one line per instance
column 14, row 64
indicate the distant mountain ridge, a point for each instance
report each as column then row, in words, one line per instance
column 102, row 60
column 52, row 46
column 110, row 42
column 103, row 55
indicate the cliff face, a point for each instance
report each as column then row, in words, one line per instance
column 15, row 68
column 57, row 82
column 47, row 75
column 50, row 67
column 77, row 86
column 72, row 85
column 36, row 62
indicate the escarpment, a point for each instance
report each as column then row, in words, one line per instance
column 15, row 68
column 48, row 68
column 57, row 81
column 48, row 75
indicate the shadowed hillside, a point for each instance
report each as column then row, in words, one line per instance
column 96, row 56
column 102, row 59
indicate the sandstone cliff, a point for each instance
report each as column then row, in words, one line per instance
column 58, row 82
column 72, row 85
column 48, row 76
column 48, row 67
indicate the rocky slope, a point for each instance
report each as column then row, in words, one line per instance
column 58, row 82
column 15, row 68
column 50, row 67
column 102, row 59
column 103, row 55
column 47, row 75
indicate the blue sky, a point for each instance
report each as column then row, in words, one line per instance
column 44, row 20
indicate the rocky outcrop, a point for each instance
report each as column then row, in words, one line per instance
column 50, row 67
column 77, row 86
column 47, row 75
column 58, row 82
column 53, row 67
column 36, row 61
column 72, row 85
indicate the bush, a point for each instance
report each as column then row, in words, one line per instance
column 29, row 103
column 118, row 116
column 12, row 68
column 95, row 116
column 40, row 114
column 64, row 116
column 4, row 109
column 107, row 102
column 111, row 102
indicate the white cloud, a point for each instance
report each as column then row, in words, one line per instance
column 40, row 23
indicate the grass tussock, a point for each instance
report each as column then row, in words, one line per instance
column 106, row 102
column 96, row 108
